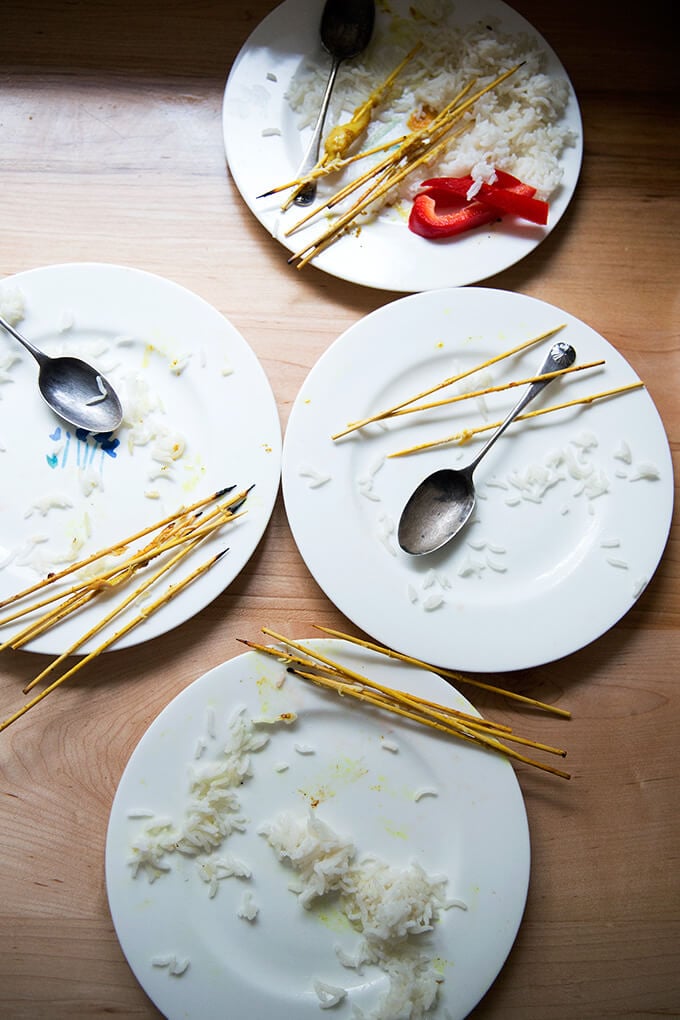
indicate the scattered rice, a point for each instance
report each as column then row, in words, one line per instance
column 328, row 995
column 175, row 965
column 425, row 791
column 650, row 472
column 316, row 478
column 12, row 305
column 614, row 562
column 248, row 909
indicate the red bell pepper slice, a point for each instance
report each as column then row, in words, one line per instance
column 427, row 221
column 511, row 198
column 461, row 185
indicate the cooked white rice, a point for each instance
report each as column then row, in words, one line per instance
column 517, row 127
column 389, row 906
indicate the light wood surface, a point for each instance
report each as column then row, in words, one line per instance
column 111, row 150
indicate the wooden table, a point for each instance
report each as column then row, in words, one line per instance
column 111, row 150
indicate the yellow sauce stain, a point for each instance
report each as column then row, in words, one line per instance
column 342, row 772
column 266, row 447
column 392, row 830
column 194, row 472
column 149, row 350
column 334, row 919
column 421, row 117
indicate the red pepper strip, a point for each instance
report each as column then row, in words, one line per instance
column 503, row 200
column 462, row 185
column 425, row 220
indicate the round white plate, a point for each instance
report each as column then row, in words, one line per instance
column 386, row 254
column 363, row 791
column 528, row 581
column 72, row 494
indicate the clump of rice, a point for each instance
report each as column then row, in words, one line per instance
column 391, row 908
column 212, row 812
column 517, row 127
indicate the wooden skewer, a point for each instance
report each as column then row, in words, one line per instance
column 420, row 711
column 427, row 135
column 466, row 434
column 381, row 170
column 353, row 426
column 449, row 722
column 341, row 674
column 49, row 619
column 384, row 184
column 467, row 732
column 473, row 394
column 121, row 571
column 448, row 673
column 333, row 166
column 122, row 605
column 433, row 146
column 117, row 547
column 359, row 120
column 170, row 593
column 427, row 708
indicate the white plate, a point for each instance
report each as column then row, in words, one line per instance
column 363, row 791
column 386, row 254
column 526, row 583
column 212, row 392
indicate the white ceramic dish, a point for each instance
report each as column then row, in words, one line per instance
column 72, row 494
column 266, row 968
column 527, row 582
column 264, row 147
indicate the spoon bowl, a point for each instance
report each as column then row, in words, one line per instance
column 74, row 390
column 346, row 30
column 443, row 502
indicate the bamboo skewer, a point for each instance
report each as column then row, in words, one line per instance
column 385, row 183
column 466, row 731
column 426, row 143
column 122, row 571
column 169, row 594
column 353, row 426
column 117, row 547
column 380, row 170
column 449, row 674
column 474, row 394
column 346, row 681
column 340, row 674
column 108, row 617
column 358, row 122
column 333, row 166
column 465, row 434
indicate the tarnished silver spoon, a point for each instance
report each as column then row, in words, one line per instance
column 76, row 391
column 346, row 30
column 443, row 502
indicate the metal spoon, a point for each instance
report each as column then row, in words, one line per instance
column 346, row 30
column 444, row 501
column 75, row 390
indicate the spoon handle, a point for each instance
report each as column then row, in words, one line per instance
column 308, row 191
column 39, row 355
column 560, row 355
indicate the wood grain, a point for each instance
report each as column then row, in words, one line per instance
column 111, row 150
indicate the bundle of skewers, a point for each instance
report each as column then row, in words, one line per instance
column 310, row 664
column 169, row 542
column 403, row 155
